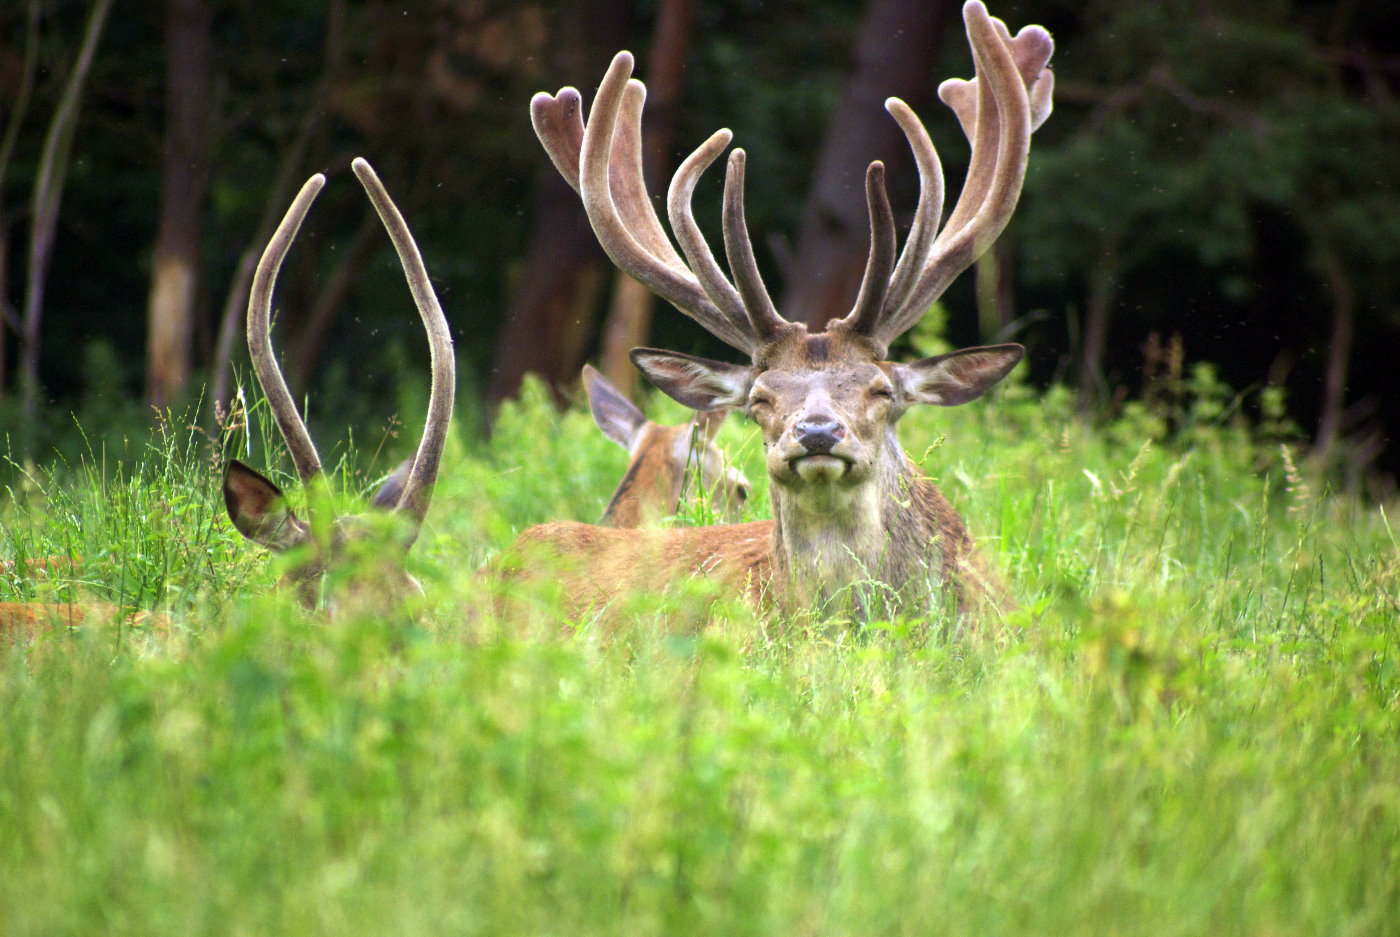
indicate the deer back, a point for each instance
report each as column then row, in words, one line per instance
column 26, row 622
column 593, row 569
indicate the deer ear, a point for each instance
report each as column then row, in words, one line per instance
column 699, row 383
column 959, row 376
column 259, row 510
column 616, row 416
column 391, row 489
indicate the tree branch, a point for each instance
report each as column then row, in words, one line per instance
column 47, row 197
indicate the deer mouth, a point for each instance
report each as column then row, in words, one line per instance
column 819, row 467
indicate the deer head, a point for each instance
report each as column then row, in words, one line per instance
column 827, row 403
column 660, row 458
column 257, row 507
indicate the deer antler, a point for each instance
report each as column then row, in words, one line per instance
column 417, row 491
column 602, row 160
column 875, row 285
column 998, row 111
column 284, row 409
column 763, row 317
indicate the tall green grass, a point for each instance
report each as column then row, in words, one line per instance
column 1196, row 729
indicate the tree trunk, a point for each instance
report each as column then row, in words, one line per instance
column 564, row 273
column 629, row 316
column 996, row 290
column 1103, row 288
column 184, row 180
column 310, row 341
column 47, row 197
column 894, row 56
column 626, row 327
column 9, row 318
column 1339, row 340
column 293, row 157
column 552, row 314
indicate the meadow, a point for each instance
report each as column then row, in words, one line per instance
column 1191, row 725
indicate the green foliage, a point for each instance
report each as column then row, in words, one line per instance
column 141, row 526
column 1197, row 122
column 1196, row 728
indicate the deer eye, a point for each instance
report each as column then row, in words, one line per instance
column 882, row 393
column 760, row 400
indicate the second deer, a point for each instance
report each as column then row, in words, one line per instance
column 258, row 507
column 661, row 459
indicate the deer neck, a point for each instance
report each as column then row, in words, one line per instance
column 870, row 548
column 650, row 488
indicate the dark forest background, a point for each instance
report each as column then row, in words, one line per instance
column 1220, row 182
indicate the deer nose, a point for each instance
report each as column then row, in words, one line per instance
column 819, row 435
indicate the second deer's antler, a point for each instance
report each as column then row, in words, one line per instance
column 417, row 489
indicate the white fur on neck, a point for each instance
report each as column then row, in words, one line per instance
column 834, row 540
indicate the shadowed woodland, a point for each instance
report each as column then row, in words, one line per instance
column 1217, row 184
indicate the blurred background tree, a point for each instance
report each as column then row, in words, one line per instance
column 1222, row 172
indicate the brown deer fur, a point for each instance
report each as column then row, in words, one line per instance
column 595, row 566
column 660, row 458
column 24, row 622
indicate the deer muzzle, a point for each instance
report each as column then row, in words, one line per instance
column 819, row 435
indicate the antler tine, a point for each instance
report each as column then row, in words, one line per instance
column 1042, row 98
column 702, row 260
column 874, row 287
column 993, row 185
column 672, row 281
column 558, row 122
column 930, row 207
column 629, row 187
column 764, row 317
column 284, row 409
column 969, row 100
column 984, row 133
column 1032, row 48
column 418, row 490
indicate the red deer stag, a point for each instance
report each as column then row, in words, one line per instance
column 660, row 458
column 256, row 506
column 854, row 519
